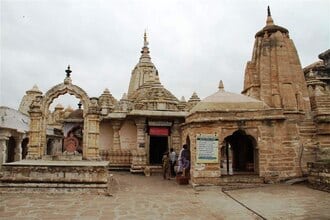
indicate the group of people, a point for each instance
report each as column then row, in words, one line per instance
column 170, row 160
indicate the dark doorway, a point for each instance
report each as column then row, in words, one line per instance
column 158, row 146
column 239, row 152
column 25, row 148
column 50, row 146
column 11, row 150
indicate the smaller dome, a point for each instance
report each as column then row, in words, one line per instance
column 34, row 90
column 225, row 101
column 77, row 114
column 69, row 109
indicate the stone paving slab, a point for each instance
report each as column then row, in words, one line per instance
column 140, row 197
column 285, row 201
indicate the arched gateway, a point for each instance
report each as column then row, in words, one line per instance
column 38, row 113
column 239, row 154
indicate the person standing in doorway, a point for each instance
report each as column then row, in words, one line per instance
column 166, row 166
column 172, row 161
column 181, row 154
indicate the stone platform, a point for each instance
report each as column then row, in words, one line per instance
column 55, row 174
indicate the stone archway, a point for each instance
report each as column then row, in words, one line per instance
column 240, row 153
column 38, row 115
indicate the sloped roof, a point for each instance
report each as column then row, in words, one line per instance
column 13, row 119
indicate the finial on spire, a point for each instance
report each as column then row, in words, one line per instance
column 221, row 87
column 68, row 71
column 145, row 38
column 145, row 49
column 269, row 20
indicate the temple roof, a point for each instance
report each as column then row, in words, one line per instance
column 13, row 119
column 225, row 101
column 144, row 70
column 76, row 114
column 154, row 92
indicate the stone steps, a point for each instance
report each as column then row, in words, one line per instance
column 241, row 182
column 241, row 186
column 241, row 179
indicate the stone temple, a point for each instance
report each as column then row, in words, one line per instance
column 270, row 132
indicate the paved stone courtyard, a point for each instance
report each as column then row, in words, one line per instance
column 140, row 197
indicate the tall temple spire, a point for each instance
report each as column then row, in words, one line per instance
column 144, row 71
column 269, row 76
column 269, row 20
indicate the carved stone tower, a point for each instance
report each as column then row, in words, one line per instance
column 274, row 75
column 144, row 71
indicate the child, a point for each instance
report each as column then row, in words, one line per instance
column 166, row 166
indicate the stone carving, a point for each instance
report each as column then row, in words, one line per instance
column 38, row 124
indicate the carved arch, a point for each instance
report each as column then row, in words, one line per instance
column 241, row 149
column 62, row 89
column 38, row 125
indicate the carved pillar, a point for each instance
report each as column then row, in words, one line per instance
column 116, row 136
column 4, row 136
column 91, row 132
column 34, row 146
column 139, row 156
column 140, row 133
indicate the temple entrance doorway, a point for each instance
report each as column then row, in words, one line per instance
column 24, row 148
column 239, row 155
column 158, row 146
column 11, row 150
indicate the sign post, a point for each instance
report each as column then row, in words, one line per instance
column 207, row 148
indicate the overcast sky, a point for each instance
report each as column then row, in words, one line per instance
column 193, row 44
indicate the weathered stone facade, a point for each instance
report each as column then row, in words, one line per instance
column 318, row 83
column 268, row 133
column 275, row 140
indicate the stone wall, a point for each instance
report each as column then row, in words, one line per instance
column 319, row 177
column 54, row 174
column 278, row 150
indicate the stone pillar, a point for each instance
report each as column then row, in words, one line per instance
column 140, row 134
column 35, row 133
column 139, row 155
column 18, row 147
column 91, row 132
column 4, row 136
column 116, row 136
column 175, row 135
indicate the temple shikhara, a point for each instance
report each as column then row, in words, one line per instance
column 277, row 128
